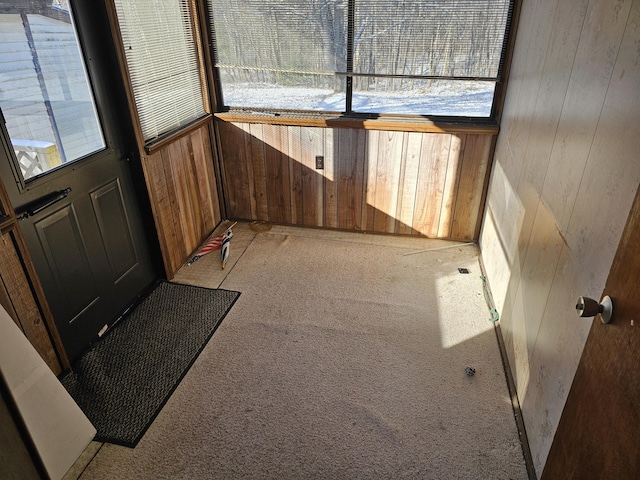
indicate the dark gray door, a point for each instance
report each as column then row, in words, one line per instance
column 66, row 167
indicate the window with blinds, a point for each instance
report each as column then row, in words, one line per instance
column 425, row 57
column 162, row 59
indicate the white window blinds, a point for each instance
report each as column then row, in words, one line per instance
column 460, row 39
column 427, row 57
column 162, row 59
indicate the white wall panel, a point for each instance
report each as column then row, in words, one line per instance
column 565, row 173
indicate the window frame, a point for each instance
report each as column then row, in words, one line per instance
column 149, row 146
column 93, row 81
column 351, row 119
column 109, row 95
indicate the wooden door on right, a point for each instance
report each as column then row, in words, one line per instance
column 599, row 432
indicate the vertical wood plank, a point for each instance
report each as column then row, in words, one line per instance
column 212, row 167
column 179, row 175
column 236, row 177
column 204, row 190
column 277, row 168
column 251, row 192
column 162, row 208
column 330, row 182
column 257, row 159
column 434, row 159
column 408, row 183
column 387, row 180
column 450, row 191
column 5, row 301
column 472, row 178
column 350, row 177
column 172, row 194
column 312, row 142
column 370, row 176
column 295, row 174
column 208, row 188
column 194, row 213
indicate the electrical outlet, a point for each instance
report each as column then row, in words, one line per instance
column 319, row 162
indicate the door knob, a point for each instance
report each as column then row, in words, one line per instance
column 588, row 307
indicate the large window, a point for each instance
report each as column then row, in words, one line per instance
column 45, row 94
column 425, row 57
column 162, row 58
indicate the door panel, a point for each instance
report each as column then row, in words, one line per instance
column 115, row 229
column 598, row 433
column 69, row 274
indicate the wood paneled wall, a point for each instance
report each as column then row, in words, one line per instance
column 427, row 184
column 182, row 186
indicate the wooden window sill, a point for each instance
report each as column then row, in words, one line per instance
column 383, row 123
column 159, row 143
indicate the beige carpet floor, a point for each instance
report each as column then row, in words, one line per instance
column 344, row 358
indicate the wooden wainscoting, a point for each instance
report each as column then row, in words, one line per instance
column 412, row 183
column 182, row 187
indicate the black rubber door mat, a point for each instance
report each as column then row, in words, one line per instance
column 123, row 382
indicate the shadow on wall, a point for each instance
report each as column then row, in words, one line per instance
column 410, row 183
column 537, row 271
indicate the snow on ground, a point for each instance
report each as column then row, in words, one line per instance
column 472, row 99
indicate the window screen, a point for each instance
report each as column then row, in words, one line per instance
column 434, row 57
column 281, row 54
column 163, row 64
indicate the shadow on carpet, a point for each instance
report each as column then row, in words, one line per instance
column 123, row 382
